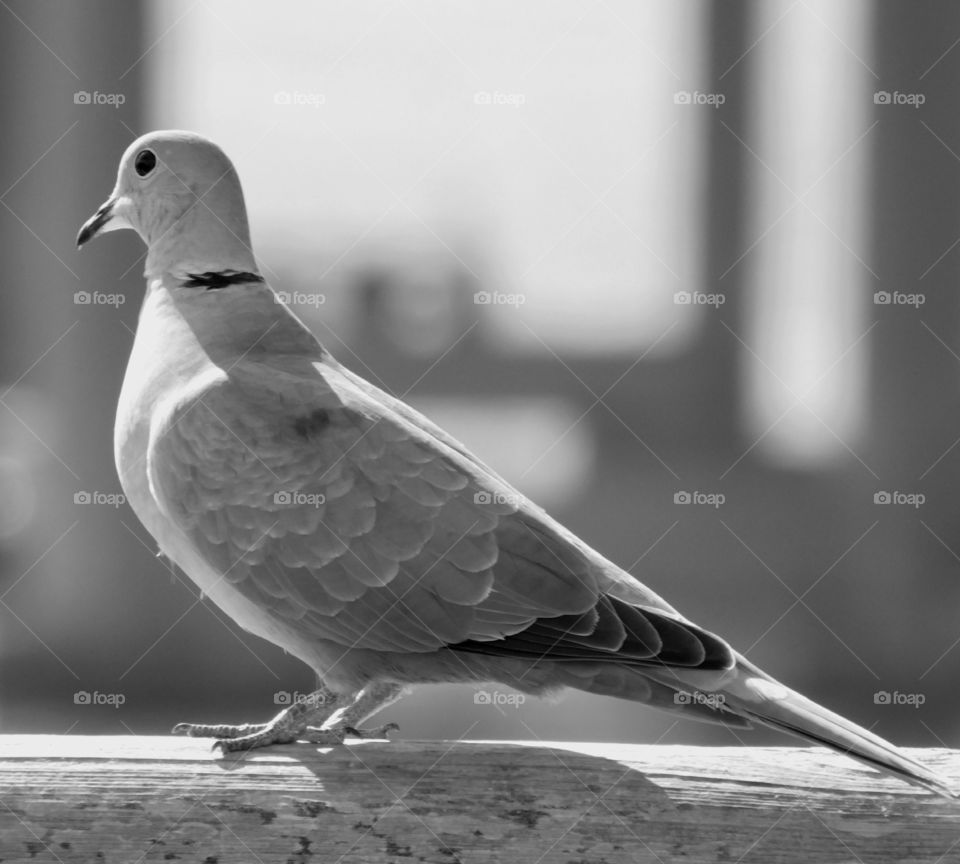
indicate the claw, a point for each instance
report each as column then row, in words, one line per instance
column 379, row 732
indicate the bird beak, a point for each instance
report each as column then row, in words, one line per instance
column 108, row 218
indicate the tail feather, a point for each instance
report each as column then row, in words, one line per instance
column 743, row 695
column 755, row 695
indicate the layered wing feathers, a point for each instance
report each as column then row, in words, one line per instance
column 356, row 520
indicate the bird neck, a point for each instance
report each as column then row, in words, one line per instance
column 238, row 320
column 199, row 241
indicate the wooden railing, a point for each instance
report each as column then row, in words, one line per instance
column 145, row 799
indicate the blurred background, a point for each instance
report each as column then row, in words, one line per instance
column 685, row 273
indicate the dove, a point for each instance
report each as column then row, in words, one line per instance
column 330, row 518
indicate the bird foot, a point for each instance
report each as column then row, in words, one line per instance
column 203, row 730
column 280, row 730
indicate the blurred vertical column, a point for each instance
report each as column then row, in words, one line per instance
column 804, row 261
column 792, row 246
column 61, row 361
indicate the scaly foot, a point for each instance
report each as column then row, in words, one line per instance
column 280, row 730
column 202, row 730
column 324, row 717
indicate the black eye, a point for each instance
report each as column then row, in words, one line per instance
column 145, row 162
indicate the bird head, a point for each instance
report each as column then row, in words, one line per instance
column 181, row 194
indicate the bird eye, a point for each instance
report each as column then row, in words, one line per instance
column 145, row 162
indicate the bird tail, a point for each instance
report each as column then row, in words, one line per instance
column 756, row 696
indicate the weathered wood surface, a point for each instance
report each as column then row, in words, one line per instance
column 144, row 799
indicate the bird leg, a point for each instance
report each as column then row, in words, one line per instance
column 344, row 721
column 282, row 729
column 318, row 718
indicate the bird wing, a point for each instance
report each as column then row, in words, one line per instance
column 342, row 510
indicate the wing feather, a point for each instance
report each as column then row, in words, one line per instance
column 351, row 518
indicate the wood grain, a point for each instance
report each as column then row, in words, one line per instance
column 145, row 799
